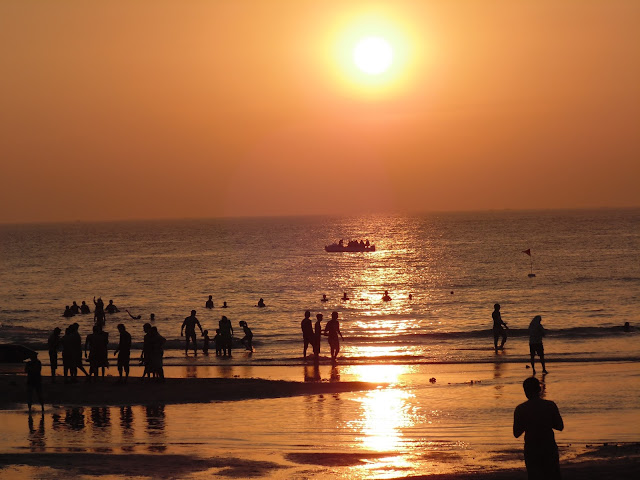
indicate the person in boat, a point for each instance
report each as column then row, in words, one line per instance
column 261, row 303
column 366, row 243
column 386, row 296
column 209, row 303
column 341, row 242
column 344, row 296
column 324, row 298
column 362, row 244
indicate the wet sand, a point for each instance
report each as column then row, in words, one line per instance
column 106, row 391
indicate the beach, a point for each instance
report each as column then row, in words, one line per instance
column 284, row 422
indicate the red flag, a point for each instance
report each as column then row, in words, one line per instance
column 527, row 251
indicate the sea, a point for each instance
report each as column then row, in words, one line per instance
column 443, row 271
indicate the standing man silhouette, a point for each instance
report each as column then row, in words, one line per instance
column 537, row 418
column 498, row 330
column 189, row 327
column 307, row 332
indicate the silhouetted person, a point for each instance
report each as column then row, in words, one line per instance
column 99, row 316
column 226, row 334
column 247, row 340
column 84, row 308
column 123, row 352
column 344, row 296
column 135, row 317
column 217, row 341
column 96, row 344
column 75, row 309
column 76, row 350
column 499, row 328
column 386, row 297
column 53, row 344
column 68, row 361
column 626, row 327
column 324, row 298
column 145, row 355
column 209, row 303
column 261, row 303
column 410, row 297
column 67, row 312
column 152, row 317
column 536, row 332
column 111, row 308
column 205, row 340
column 224, row 305
column 33, row 368
column 332, row 330
column 189, row 328
column 307, row 332
column 537, row 418
column 157, row 353
column 317, row 336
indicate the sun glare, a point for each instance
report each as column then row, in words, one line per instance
column 373, row 55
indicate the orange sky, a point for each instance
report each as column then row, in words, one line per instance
column 165, row 109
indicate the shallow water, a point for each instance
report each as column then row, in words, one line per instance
column 461, row 422
column 587, row 281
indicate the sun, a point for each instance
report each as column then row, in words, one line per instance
column 373, row 55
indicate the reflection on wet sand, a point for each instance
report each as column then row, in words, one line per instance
column 155, row 427
column 37, row 441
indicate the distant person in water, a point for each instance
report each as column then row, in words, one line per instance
column 626, row 327
column 98, row 313
column 217, row 342
column 499, row 328
column 224, row 305
column 332, row 330
column 410, row 297
column 205, row 342
column 537, row 418
column 247, row 340
column 536, row 332
column 67, row 312
column 75, row 308
column 344, row 296
column 324, row 298
column 152, row 317
column 124, row 353
column 261, row 303
column 111, row 308
column 84, row 308
column 136, row 317
column 209, row 303
column 317, row 336
column 189, row 327
column 226, row 335
column 33, row 369
column 53, row 344
column 386, row 297
column 307, row 333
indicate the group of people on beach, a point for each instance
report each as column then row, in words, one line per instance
column 536, row 332
column 223, row 339
column 312, row 335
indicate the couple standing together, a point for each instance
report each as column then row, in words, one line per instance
column 311, row 336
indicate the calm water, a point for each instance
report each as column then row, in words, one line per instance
column 456, row 266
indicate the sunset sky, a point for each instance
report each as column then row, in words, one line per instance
column 170, row 109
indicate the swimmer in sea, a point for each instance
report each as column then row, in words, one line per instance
column 324, row 298
column 386, row 297
column 137, row 317
column 261, row 303
column 209, row 303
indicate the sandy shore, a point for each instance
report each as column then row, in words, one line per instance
column 174, row 390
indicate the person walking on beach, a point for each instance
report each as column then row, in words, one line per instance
column 76, row 351
column 123, row 352
column 33, row 369
column 307, row 332
column 537, row 418
column 226, row 334
column 499, row 328
column 332, row 330
column 53, row 343
column 317, row 336
column 189, row 327
column 536, row 332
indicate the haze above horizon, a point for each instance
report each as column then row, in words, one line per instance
column 161, row 109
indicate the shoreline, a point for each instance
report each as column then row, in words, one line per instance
column 107, row 392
